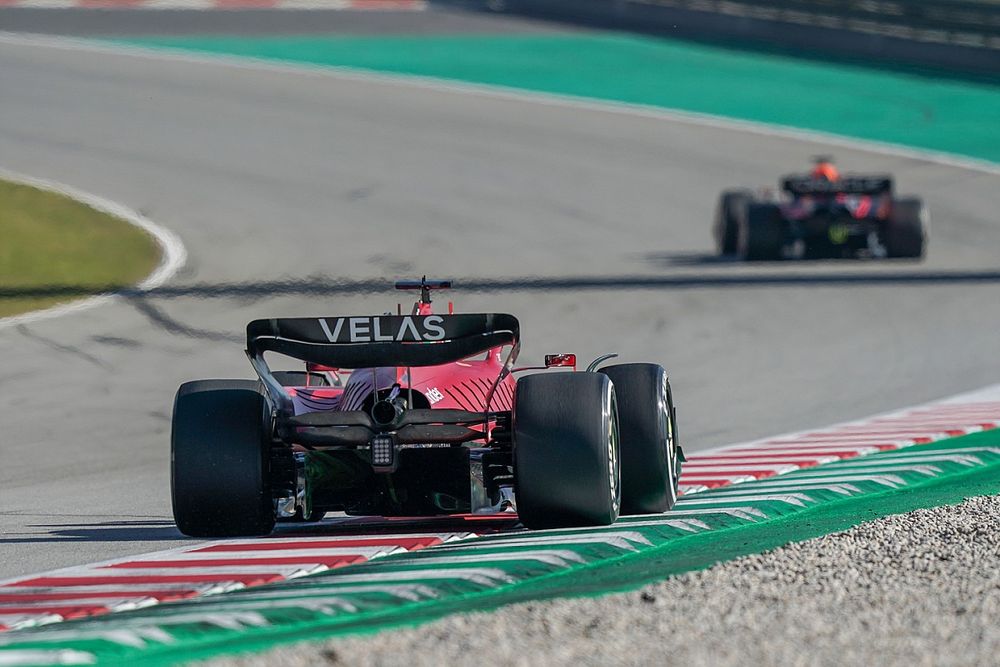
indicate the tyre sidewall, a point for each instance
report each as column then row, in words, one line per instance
column 906, row 229
column 761, row 233
column 219, row 460
column 727, row 220
column 567, row 464
column 647, row 437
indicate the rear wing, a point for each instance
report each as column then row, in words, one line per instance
column 851, row 185
column 381, row 340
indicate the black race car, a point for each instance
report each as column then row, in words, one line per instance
column 821, row 215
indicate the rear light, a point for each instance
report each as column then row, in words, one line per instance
column 560, row 360
column 383, row 448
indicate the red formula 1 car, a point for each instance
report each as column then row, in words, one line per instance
column 821, row 215
column 430, row 421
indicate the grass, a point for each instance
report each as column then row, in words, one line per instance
column 54, row 249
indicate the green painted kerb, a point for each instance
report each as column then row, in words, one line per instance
column 760, row 516
column 939, row 114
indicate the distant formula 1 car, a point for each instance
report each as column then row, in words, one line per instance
column 429, row 422
column 821, row 215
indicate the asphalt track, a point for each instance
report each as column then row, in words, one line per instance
column 272, row 175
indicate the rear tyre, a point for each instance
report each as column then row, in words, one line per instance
column 566, row 452
column 219, row 460
column 648, row 439
column 906, row 229
column 761, row 233
column 732, row 203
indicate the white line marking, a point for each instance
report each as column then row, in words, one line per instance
column 327, row 604
column 412, row 592
column 366, row 552
column 912, row 457
column 235, row 570
column 748, row 513
column 557, row 557
column 46, row 657
column 172, row 250
column 873, row 468
column 484, row 576
column 751, row 467
column 625, row 540
column 842, row 489
column 508, row 93
column 687, row 478
column 797, row 499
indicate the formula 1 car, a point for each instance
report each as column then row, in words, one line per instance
column 430, row 421
column 821, row 215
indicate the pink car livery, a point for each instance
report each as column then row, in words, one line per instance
column 419, row 415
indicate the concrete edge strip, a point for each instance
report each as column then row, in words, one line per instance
column 506, row 93
column 172, row 259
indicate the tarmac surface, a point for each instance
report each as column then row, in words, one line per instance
column 279, row 175
column 131, row 23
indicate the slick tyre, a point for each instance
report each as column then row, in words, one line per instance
column 219, row 460
column 566, row 453
column 732, row 203
column 761, row 233
column 649, row 459
column 906, row 229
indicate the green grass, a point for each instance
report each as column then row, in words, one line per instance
column 55, row 249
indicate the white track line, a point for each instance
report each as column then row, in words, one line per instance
column 506, row 93
column 173, row 254
column 169, row 267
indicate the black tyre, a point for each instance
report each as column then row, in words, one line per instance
column 732, row 203
column 761, row 233
column 566, row 453
column 298, row 379
column 219, row 460
column 906, row 229
column 648, row 439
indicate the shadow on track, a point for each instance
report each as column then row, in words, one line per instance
column 106, row 531
column 165, row 530
column 331, row 285
column 325, row 286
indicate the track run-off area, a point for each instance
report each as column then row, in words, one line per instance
column 590, row 223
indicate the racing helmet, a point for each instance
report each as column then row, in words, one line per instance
column 825, row 171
